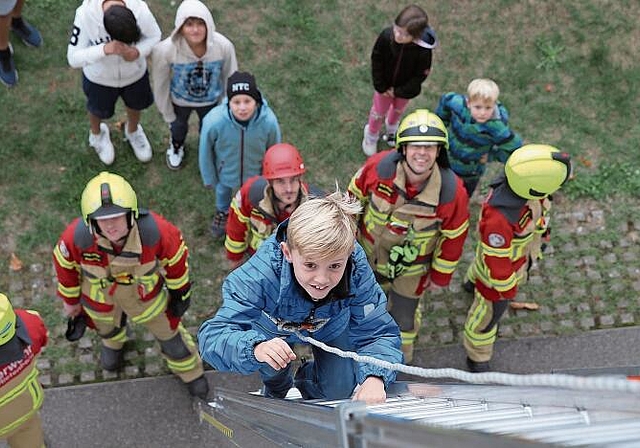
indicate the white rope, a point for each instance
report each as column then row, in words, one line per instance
column 595, row 383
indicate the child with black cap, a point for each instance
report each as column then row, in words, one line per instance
column 110, row 41
column 190, row 69
column 234, row 137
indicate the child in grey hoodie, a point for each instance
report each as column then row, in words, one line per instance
column 190, row 69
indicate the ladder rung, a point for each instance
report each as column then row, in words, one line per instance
column 488, row 415
column 532, row 423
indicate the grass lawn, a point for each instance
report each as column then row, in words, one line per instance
column 568, row 73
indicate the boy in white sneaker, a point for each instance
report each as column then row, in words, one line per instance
column 189, row 70
column 110, row 41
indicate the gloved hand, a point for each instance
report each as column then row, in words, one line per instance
column 76, row 327
column 179, row 301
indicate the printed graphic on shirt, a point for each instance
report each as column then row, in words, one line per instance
column 197, row 81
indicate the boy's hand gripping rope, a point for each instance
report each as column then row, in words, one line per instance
column 597, row 383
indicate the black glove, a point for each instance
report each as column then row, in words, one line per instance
column 179, row 301
column 76, row 327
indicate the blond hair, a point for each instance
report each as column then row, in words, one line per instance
column 483, row 89
column 324, row 227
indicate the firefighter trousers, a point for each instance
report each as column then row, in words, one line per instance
column 481, row 327
column 27, row 435
column 177, row 345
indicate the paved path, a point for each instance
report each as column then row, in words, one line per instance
column 158, row 412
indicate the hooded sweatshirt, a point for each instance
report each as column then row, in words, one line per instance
column 88, row 38
column 182, row 78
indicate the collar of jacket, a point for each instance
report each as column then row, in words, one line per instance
column 505, row 200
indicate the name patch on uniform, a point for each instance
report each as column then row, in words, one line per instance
column 496, row 240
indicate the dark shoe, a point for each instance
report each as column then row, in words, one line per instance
column 27, row 32
column 8, row 72
column 219, row 224
column 111, row 359
column 468, row 287
column 199, row 388
column 478, row 367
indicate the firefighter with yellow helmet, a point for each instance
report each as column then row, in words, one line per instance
column 514, row 221
column 415, row 218
column 121, row 262
column 22, row 337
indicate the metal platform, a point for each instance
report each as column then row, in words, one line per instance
column 431, row 415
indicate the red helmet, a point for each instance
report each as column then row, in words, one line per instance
column 282, row 160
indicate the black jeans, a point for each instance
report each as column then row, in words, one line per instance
column 180, row 126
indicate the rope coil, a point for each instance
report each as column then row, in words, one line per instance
column 596, row 383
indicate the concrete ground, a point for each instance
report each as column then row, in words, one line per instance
column 158, row 412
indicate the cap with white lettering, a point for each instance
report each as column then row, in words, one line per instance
column 243, row 83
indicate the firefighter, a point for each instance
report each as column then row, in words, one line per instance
column 122, row 262
column 513, row 223
column 415, row 218
column 265, row 201
column 22, row 336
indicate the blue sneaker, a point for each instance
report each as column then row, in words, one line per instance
column 27, row 32
column 8, row 72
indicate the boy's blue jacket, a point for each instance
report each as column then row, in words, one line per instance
column 470, row 140
column 264, row 291
column 231, row 153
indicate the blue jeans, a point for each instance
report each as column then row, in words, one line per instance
column 223, row 197
column 327, row 377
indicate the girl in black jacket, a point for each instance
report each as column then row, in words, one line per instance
column 400, row 62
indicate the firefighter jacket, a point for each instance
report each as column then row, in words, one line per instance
column 263, row 300
column 21, row 394
column 91, row 272
column 433, row 221
column 253, row 217
column 510, row 233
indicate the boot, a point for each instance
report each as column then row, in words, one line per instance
column 478, row 366
column 468, row 286
column 199, row 388
column 111, row 359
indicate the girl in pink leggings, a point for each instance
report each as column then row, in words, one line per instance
column 400, row 62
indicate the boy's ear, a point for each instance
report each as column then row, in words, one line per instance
column 286, row 251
